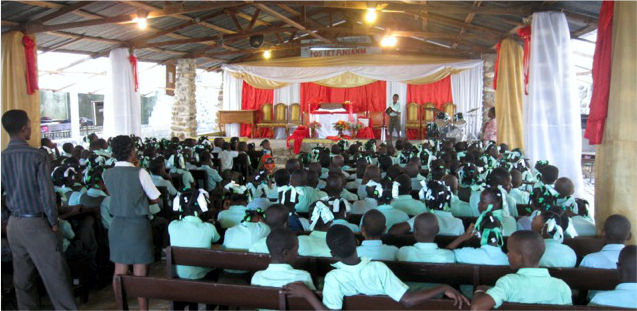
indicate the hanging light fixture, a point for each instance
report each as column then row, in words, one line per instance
column 141, row 19
column 370, row 16
column 267, row 54
column 388, row 41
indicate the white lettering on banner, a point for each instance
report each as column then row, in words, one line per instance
column 308, row 52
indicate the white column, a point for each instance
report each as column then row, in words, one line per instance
column 75, row 116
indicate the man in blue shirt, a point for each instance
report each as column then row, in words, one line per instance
column 616, row 232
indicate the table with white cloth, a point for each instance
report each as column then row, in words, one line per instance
column 327, row 121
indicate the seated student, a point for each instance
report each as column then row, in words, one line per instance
column 491, row 201
column 616, row 232
column 234, row 206
column 281, row 180
column 226, row 157
column 372, row 172
column 501, row 179
column 369, row 202
column 529, row 284
column 425, row 249
column 579, row 225
column 548, row 176
column 346, row 195
column 191, row 231
column 438, row 199
column 314, row 244
column 312, row 182
column 96, row 192
column 352, row 186
column 413, row 171
column 283, row 246
column 306, row 195
column 382, row 193
column 401, row 191
column 67, row 149
column 337, row 164
column 265, row 145
column 517, row 193
column 623, row 296
column 292, row 165
column 176, row 164
column 372, row 228
column 550, row 224
column 458, row 207
column 289, row 197
column 354, row 275
column 276, row 217
column 160, row 177
column 50, row 148
column 489, row 231
column 249, row 231
column 339, row 206
column 205, row 164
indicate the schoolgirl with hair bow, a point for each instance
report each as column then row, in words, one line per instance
column 250, row 230
column 234, row 205
column 382, row 193
column 402, row 199
column 551, row 224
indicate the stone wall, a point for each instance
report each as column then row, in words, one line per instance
column 488, row 95
column 184, row 117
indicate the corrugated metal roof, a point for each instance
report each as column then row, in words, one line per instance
column 579, row 14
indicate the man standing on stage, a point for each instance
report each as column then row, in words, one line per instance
column 394, row 116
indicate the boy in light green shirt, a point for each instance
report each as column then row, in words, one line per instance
column 276, row 217
column 529, row 284
column 353, row 276
column 425, row 249
column 404, row 201
column 283, row 246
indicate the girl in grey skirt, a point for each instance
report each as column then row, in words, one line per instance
column 132, row 190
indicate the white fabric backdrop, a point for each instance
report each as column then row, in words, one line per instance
column 122, row 107
column 551, row 114
column 466, row 90
column 231, row 99
column 385, row 73
column 395, row 87
column 288, row 94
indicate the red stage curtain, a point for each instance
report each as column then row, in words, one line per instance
column 437, row 93
column 601, row 75
column 254, row 98
column 370, row 97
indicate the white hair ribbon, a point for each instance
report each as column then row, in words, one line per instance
column 558, row 232
column 423, row 189
column 377, row 187
column 293, row 193
column 336, row 205
column 321, row 211
column 70, row 169
column 236, row 188
column 83, row 162
column 202, row 200
column 394, row 189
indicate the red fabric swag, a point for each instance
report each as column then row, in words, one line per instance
column 437, row 93
column 601, row 75
column 133, row 62
column 31, row 62
column 525, row 34
column 298, row 135
column 495, row 68
column 254, row 98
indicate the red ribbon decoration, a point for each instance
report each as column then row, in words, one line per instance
column 497, row 60
column 525, row 34
column 133, row 62
column 31, row 63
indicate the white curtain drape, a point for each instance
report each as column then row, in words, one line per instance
column 232, row 88
column 386, row 73
column 395, row 87
column 551, row 113
column 288, row 94
column 466, row 90
column 122, row 107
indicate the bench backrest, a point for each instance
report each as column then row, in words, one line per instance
column 456, row 274
column 274, row 298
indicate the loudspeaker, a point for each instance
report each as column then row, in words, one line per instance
column 256, row 41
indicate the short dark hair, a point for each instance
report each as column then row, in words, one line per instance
column 299, row 176
column 276, row 216
column 14, row 120
column 156, row 165
column 334, row 184
column 291, row 165
column 549, row 174
column 530, row 244
column 626, row 264
column 341, row 241
column 405, row 184
column 617, row 229
column 280, row 240
column 374, row 223
column 498, row 177
column 122, row 146
column 281, row 177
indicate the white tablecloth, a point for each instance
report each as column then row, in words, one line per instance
column 327, row 123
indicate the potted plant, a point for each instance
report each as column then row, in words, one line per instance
column 340, row 126
column 354, row 127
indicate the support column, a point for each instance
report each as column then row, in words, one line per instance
column 615, row 166
column 184, row 119
column 74, row 101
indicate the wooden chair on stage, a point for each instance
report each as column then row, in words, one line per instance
column 429, row 114
column 266, row 117
column 379, row 122
column 280, row 118
column 450, row 109
column 295, row 118
column 413, row 118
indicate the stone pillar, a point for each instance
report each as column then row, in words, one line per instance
column 488, row 93
column 184, row 119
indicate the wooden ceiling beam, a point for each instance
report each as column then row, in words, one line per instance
column 255, row 18
column 289, row 21
column 85, row 37
column 235, row 20
column 55, row 5
column 212, row 39
column 63, row 11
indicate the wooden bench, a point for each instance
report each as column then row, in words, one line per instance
column 274, row 298
column 454, row 274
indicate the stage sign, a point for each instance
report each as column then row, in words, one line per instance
column 346, row 46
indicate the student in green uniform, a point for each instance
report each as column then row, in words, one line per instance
column 623, row 295
column 425, row 249
column 373, row 227
column 276, row 217
column 354, row 275
column 529, row 284
column 551, row 224
column 283, row 246
column 401, row 191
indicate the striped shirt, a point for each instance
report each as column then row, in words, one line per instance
column 27, row 182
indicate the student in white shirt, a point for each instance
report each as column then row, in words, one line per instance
column 624, row 294
column 226, row 157
column 616, row 232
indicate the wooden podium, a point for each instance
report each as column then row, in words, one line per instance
column 238, row 116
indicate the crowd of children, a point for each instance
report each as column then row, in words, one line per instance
column 305, row 208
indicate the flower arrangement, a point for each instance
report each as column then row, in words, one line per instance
column 314, row 125
column 356, row 126
column 341, row 125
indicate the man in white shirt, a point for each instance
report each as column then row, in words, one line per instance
column 394, row 111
